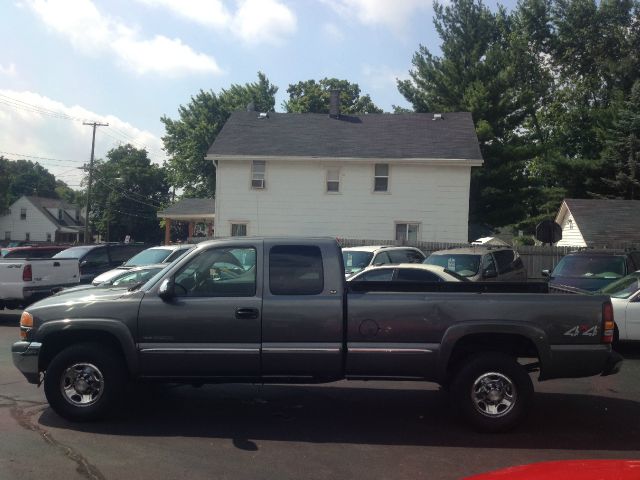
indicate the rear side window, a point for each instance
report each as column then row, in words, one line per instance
column 295, row 270
column 504, row 259
column 415, row 275
column 382, row 259
column 122, row 253
column 377, row 275
column 96, row 258
column 405, row 256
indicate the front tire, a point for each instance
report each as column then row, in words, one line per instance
column 83, row 382
column 492, row 391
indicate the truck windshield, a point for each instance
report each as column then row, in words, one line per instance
column 623, row 288
column 586, row 266
column 465, row 265
column 355, row 260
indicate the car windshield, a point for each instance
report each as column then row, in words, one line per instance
column 75, row 252
column 355, row 260
column 587, row 266
column 149, row 256
column 623, row 288
column 465, row 265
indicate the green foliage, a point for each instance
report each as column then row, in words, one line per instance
column 313, row 97
column 188, row 138
column 545, row 84
column 127, row 192
column 23, row 177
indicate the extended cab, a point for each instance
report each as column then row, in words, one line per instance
column 279, row 310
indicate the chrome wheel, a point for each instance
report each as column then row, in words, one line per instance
column 82, row 384
column 493, row 394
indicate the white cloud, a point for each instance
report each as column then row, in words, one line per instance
column 253, row 22
column 394, row 14
column 93, row 33
column 9, row 70
column 382, row 77
column 32, row 125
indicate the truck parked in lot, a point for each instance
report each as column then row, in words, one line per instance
column 24, row 281
column 279, row 310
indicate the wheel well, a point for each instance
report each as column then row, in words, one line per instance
column 511, row 344
column 56, row 342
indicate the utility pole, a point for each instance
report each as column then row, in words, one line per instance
column 87, row 204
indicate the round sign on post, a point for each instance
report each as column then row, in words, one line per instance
column 549, row 232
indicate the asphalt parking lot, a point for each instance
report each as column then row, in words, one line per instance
column 345, row 430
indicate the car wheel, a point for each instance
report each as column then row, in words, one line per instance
column 492, row 391
column 83, row 382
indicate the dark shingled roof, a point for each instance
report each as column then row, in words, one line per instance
column 606, row 222
column 190, row 206
column 412, row 135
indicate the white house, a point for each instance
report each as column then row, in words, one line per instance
column 38, row 219
column 599, row 223
column 374, row 177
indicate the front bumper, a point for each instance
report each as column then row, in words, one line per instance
column 25, row 358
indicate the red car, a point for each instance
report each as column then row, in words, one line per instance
column 568, row 470
column 46, row 251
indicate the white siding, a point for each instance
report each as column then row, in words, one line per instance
column 295, row 201
column 571, row 236
column 36, row 223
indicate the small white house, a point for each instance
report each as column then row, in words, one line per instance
column 373, row 177
column 39, row 219
column 599, row 223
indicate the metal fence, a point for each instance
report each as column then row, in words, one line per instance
column 535, row 259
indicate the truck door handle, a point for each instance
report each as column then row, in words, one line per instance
column 56, row 264
column 247, row 313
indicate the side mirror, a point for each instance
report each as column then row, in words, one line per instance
column 546, row 273
column 489, row 273
column 84, row 263
column 166, row 292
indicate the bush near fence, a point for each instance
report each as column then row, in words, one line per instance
column 535, row 258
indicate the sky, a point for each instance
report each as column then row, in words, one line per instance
column 130, row 62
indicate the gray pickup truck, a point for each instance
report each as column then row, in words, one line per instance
column 279, row 310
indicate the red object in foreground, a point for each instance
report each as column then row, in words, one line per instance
column 568, row 470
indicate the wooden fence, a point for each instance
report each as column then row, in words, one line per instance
column 535, row 259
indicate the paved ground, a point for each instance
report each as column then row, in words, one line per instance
column 370, row 430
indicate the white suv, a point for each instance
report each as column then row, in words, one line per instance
column 357, row 259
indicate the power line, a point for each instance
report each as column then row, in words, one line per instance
column 61, row 160
column 124, row 194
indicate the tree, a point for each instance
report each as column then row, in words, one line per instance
column 127, row 192
column 313, row 97
column 188, row 138
column 69, row 195
column 4, row 185
column 28, row 178
column 622, row 154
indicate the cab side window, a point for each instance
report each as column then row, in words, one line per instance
column 96, row 258
column 504, row 259
column 218, row 272
column 295, row 270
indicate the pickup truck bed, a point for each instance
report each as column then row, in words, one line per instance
column 24, row 281
column 279, row 310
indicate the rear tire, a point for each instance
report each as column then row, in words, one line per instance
column 84, row 381
column 492, row 391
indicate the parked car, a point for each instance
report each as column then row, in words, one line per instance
column 279, row 310
column 407, row 272
column 153, row 255
column 592, row 270
column 124, row 279
column 33, row 251
column 97, row 259
column 358, row 258
column 625, row 297
column 481, row 263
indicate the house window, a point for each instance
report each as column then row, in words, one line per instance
column 257, row 174
column 7, row 235
column 381, row 177
column 238, row 229
column 27, row 236
column 23, row 214
column 333, row 180
column 407, row 232
column 48, row 237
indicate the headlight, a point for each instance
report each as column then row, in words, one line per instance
column 26, row 324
